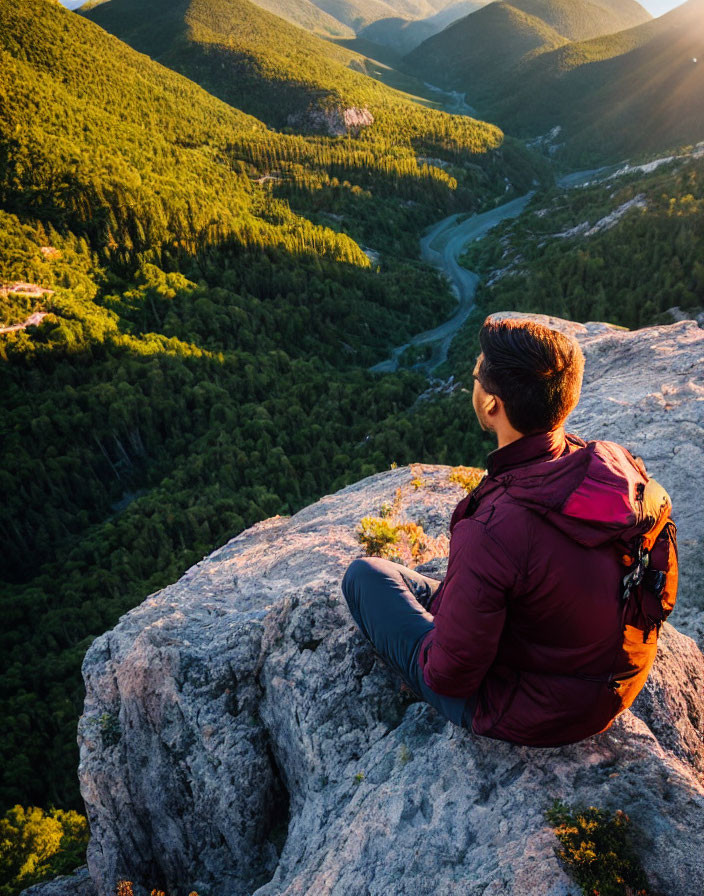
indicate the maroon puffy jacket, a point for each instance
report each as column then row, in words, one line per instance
column 530, row 615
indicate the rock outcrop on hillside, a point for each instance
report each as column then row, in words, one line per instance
column 240, row 737
column 332, row 120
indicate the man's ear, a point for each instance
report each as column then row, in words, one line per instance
column 493, row 404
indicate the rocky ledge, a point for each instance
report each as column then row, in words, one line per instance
column 239, row 736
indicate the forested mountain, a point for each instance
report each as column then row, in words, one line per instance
column 340, row 18
column 639, row 90
column 584, row 20
column 213, row 293
column 306, row 15
column 265, row 66
column 636, row 90
column 479, row 53
column 358, row 13
column 405, row 35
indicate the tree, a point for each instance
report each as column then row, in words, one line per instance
column 35, row 845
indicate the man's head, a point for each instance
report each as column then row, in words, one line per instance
column 527, row 378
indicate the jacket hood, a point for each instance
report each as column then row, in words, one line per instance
column 594, row 492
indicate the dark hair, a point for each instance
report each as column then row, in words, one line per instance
column 535, row 371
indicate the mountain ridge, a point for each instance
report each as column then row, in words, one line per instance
column 637, row 90
column 481, row 53
column 263, row 65
column 499, row 37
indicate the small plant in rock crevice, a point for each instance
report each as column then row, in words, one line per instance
column 109, row 729
column 126, row 888
column 467, row 478
column 403, row 542
column 394, row 538
column 404, row 754
column 377, row 535
column 597, row 851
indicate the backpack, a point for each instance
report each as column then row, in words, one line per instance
column 649, row 585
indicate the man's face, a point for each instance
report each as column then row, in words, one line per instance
column 480, row 399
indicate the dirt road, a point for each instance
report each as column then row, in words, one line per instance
column 32, row 320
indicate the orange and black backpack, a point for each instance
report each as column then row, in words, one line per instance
column 650, row 558
column 648, row 587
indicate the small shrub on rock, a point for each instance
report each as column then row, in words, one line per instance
column 597, row 852
column 404, row 543
column 377, row 535
column 467, row 478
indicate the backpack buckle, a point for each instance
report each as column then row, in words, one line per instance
column 635, row 576
column 654, row 580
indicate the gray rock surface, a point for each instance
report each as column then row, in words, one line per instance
column 79, row 883
column 240, row 737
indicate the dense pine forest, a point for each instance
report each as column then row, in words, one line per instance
column 261, row 64
column 207, row 279
column 625, row 250
column 214, row 292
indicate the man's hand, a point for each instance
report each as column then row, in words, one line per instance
column 422, row 589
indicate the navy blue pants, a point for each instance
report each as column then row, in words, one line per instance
column 381, row 596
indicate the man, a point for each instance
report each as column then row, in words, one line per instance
column 535, row 635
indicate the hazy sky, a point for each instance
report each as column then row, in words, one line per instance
column 654, row 7
column 658, row 7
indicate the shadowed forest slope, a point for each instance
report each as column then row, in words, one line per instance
column 634, row 91
column 478, row 53
column 213, row 292
column 639, row 90
column 263, row 65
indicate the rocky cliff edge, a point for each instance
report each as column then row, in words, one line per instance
column 239, row 736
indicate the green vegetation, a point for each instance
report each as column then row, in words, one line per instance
column 359, row 12
column 483, row 53
column 37, row 845
column 202, row 361
column 467, row 478
column 476, row 54
column 597, row 851
column 377, row 535
column 612, row 92
column 585, row 20
column 290, row 80
column 404, row 754
column 393, row 537
column 126, row 888
column 631, row 92
column 628, row 274
column 308, row 16
column 404, row 34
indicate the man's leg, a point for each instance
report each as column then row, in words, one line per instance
column 380, row 595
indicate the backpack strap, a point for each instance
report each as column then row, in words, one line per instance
column 652, row 588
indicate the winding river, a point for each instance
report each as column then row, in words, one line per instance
column 442, row 246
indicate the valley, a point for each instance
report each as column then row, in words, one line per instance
column 208, row 317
